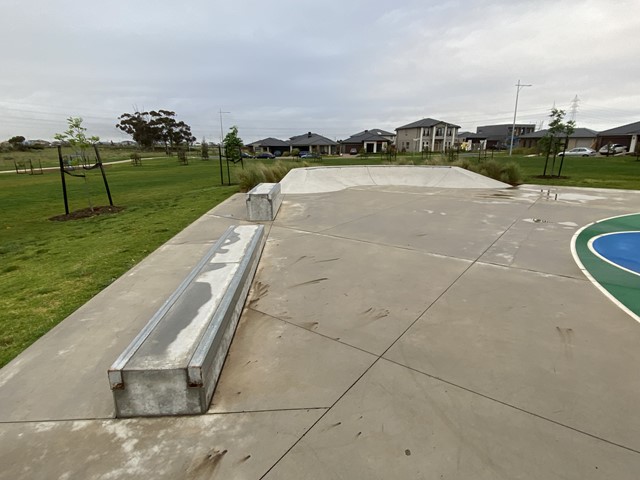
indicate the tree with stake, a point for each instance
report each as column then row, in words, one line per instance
column 557, row 128
column 76, row 136
column 204, row 149
column 569, row 128
column 233, row 145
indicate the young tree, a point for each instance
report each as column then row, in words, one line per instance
column 557, row 129
column 233, row 144
column 76, row 136
column 204, row 149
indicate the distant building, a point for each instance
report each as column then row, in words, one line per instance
column 581, row 137
column 426, row 134
column 626, row 135
column 472, row 141
column 371, row 141
column 314, row 143
column 270, row 144
column 499, row 136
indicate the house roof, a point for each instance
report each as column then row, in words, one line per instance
column 426, row 122
column 269, row 142
column 309, row 139
column 368, row 136
column 629, row 129
column 578, row 133
column 377, row 131
column 471, row 135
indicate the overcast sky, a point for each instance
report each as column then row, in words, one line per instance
column 281, row 68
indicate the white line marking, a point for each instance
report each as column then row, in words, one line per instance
column 597, row 254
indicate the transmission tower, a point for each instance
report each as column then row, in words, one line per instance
column 574, row 108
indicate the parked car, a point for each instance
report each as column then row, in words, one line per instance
column 353, row 151
column 265, row 155
column 247, row 155
column 309, row 155
column 579, row 152
column 612, row 149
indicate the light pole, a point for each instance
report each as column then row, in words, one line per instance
column 221, row 129
column 519, row 86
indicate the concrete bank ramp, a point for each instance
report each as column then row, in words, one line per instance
column 332, row 179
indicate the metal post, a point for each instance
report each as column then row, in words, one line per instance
column 515, row 112
column 221, row 171
column 104, row 177
column 64, row 184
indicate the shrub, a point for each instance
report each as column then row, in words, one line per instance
column 249, row 178
column 491, row 169
column 261, row 173
column 511, row 173
column 524, row 151
column 404, row 161
column 463, row 163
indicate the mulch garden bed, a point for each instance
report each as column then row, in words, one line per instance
column 87, row 212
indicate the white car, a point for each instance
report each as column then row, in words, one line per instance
column 612, row 149
column 579, row 152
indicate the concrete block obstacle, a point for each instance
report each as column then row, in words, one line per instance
column 263, row 202
column 173, row 365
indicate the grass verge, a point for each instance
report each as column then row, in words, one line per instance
column 50, row 268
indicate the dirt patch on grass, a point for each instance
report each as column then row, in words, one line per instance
column 561, row 177
column 87, row 212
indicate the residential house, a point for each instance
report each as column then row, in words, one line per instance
column 371, row 141
column 270, row 144
column 581, row 137
column 312, row 142
column 499, row 136
column 626, row 135
column 472, row 141
column 426, row 134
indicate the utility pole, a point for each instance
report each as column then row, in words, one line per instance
column 519, row 86
column 220, row 149
column 221, row 129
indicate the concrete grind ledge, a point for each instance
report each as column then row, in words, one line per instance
column 173, row 364
column 263, row 202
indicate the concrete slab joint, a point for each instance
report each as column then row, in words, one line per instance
column 263, row 202
column 173, row 364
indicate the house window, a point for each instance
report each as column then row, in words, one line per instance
column 439, row 132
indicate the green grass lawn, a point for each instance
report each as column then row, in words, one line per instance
column 48, row 269
column 594, row 172
column 48, row 157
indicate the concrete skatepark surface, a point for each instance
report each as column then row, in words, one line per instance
column 332, row 179
column 391, row 332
